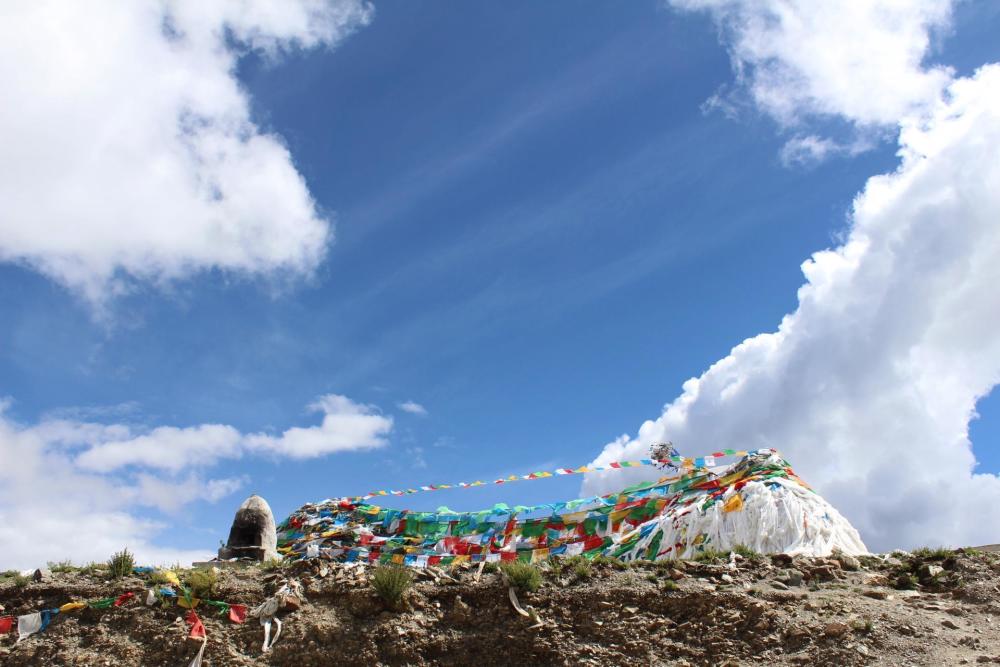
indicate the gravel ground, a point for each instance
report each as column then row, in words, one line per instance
column 930, row 608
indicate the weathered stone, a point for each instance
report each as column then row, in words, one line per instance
column 877, row 594
column 253, row 534
column 928, row 571
column 836, row 629
column 950, row 624
column 847, row 561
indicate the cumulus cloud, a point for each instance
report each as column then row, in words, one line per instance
column 413, row 408
column 129, row 148
column 72, row 489
column 863, row 61
column 869, row 386
column 346, row 426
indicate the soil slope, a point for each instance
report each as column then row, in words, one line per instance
column 731, row 611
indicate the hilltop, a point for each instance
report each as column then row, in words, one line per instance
column 931, row 607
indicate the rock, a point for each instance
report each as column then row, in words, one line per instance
column 928, row 571
column 847, row 561
column 950, row 624
column 836, row 629
column 781, row 560
column 676, row 574
column 42, row 574
column 779, row 585
column 822, row 573
column 291, row 603
column 790, row 577
column 726, row 579
column 876, row 594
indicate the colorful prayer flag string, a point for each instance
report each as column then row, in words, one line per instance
column 687, row 463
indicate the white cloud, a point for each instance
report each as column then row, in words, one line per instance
column 858, row 59
column 346, row 426
column 71, row 489
column 129, row 152
column 413, row 408
column 812, row 149
column 869, row 386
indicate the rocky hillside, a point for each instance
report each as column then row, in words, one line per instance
column 926, row 608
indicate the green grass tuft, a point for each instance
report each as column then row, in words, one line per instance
column 202, row 582
column 391, row 583
column 121, row 564
column 523, row 576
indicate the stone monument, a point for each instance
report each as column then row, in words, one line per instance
column 253, row 534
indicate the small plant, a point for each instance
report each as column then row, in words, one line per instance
column 668, row 585
column 524, row 576
column 490, row 568
column 711, row 555
column 94, row 569
column 582, row 569
column 62, row 566
column 747, row 553
column 862, row 625
column 20, row 581
column 272, row 564
column 652, row 578
column 391, row 583
column 906, row 582
column 932, row 553
column 610, row 561
column 202, row 582
column 121, row 564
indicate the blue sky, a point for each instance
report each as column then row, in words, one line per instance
column 541, row 233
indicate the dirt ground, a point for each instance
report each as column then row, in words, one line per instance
column 928, row 608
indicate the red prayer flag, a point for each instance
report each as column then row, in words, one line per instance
column 197, row 627
column 122, row 599
column 237, row 613
column 6, row 624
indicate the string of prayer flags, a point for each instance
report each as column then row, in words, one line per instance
column 122, row 599
column 687, row 463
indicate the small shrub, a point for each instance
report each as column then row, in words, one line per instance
column 747, row 553
column 610, row 561
column 272, row 564
column 711, row 555
column 159, row 577
column 121, row 564
column 490, row 568
column 94, row 569
column 668, row 585
column 929, row 553
column 391, row 583
column 906, row 582
column 62, row 566
column 202, row 582
column 652, row 578
column 582, row 569
column 524, row 576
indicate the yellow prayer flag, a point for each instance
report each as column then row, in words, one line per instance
column 71, row 606
column 734, row 504
column 183, row 602
column 171, row 577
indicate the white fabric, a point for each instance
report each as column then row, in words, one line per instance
column 28, row 625
column 196, row 661
column 779, row 515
